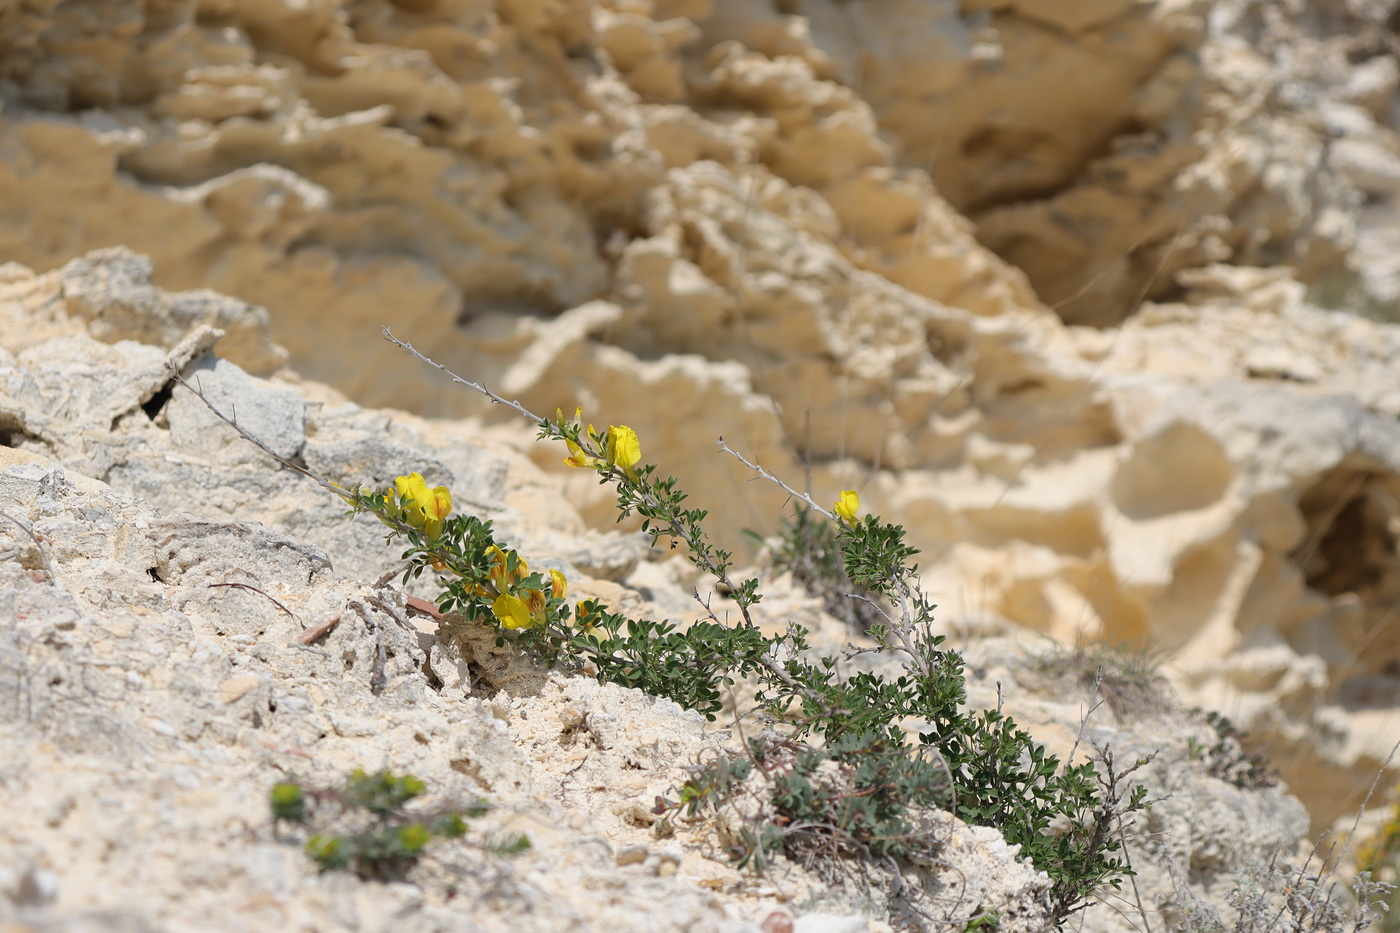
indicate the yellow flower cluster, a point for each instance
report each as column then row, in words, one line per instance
column 415, row 504
column 619, row 447
column 419, row 506
column 518, row 609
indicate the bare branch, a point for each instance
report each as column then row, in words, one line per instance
column 233, row 423
column 249, row 586
column 393, row 613
column 774, row 478
column 476, row 386
column 334, row 488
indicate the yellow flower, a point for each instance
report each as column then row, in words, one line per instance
column 620, row 447
column 512, row 611
column 498, row 564
column 410, row 487
column 558, row 586
column 392, row 511
column 422, row 507
column 501, row 564
column 623, row 449
column 577, row 457
column 847, row 505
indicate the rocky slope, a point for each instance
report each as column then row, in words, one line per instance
column 1042, row 279
column 199, row 624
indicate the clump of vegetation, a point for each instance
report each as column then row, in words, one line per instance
column 1275, row 896
column 364, row 823
column 1127, row 680
column 1227, row 758
column 856, row 797
column 1378, row 857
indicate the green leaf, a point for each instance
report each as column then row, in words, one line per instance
column 288, row 801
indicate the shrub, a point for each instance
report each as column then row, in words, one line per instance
column 1128, row 681
column 848, row 727
column 807, row 546
column 1227, row 758
column 364, row 824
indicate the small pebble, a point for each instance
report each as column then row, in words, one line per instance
column 777, row 922
column 631, row 855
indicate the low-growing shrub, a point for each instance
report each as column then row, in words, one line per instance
column 364, row 823
column 1227, row 758
column 1128, row 681
column 808, row 547
column 846, row 777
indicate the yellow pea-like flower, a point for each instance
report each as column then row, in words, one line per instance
column 501, row 562
column 511, row 611
column 622, row 448
column 411, row 487
column 435, row 511
column 423, row 507
column 847, row 505
column 577, row 457
column 497, row 573
column 584, row 609
column 558, row 586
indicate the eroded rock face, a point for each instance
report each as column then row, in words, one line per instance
column 1061, row 478
column 154, row 711
column 456, row 160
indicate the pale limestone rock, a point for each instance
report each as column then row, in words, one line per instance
column 1099, row 204
column 481, row 141
column 1076, row 534
column 276, row 416
column 578, row 765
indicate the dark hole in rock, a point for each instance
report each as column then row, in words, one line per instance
column 1350, row 545
column 153, row 405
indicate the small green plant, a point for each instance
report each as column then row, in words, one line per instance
column 989, row 922
column 1227, row 758
column 364, row 823
column 860, row 796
